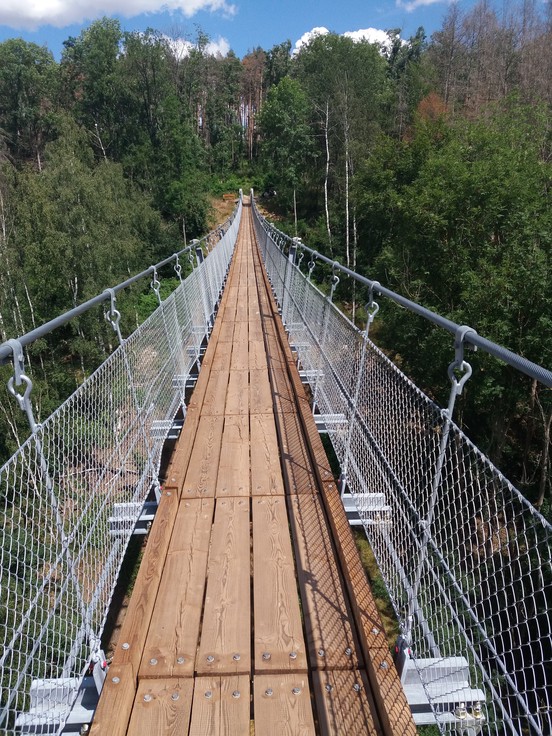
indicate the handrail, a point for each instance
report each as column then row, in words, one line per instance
column 470, row 336
column 6, row 348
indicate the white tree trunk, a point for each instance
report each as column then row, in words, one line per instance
column 327, row 141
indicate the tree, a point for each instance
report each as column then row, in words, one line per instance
column 286, row 137
column 28, row 92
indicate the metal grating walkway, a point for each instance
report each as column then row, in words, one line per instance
column 251, row 612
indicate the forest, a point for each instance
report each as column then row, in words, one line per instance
column 424, row 163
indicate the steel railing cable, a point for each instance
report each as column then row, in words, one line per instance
column 71, row 496
column 466, row 559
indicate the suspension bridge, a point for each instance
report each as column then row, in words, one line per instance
column 251, row 612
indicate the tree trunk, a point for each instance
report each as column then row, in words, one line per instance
column 545, row 458
column 295, row 209
column 347, row 235
column 326, row 206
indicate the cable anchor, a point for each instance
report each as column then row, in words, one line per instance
column 178, row 268
column 113, row 316
column 20, row 378
column 459, row 365
column 312, row 264
column 335, row 280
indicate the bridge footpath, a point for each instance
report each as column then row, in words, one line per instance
column 251, row 612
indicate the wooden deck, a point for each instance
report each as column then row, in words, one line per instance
column 251, row 612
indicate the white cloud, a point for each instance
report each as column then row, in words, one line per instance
column 372, row 35
column 181, row 48
column 30, row 14
column 307, row 37
column 414, row 4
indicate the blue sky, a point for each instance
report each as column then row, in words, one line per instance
column 237, row 24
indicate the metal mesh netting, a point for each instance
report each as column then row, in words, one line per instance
column 465, row 558
column 70, row 498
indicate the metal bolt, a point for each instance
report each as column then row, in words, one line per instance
column 147, row 698
column 236, row 657
column 384, row 666
column 116, row 680
column 461, row 711
column 349, row 651
column 236, row 694
column 175, row 696
column 329, row 688
column 296, row 691
column 153, row 661
column 293, row 655
column 266, row 656
column 210, row 658
column 375, row 631
column 269, row 692
column 126, row 645
column 321, row 653
column 208, row 694
column 180, row 660
column 356, row 687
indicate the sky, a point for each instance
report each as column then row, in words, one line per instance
column 240, row 25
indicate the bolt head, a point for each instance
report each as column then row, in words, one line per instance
column 356, row 687
column 349, row 651
column 153, row 661
column 236, row 694
column 384, row 666
column 321, row 653
column 329, row 688
column 296, row 691
column 180, row 660
column 125, row 646
column 147, row 698
column 175, row 696
column 210, row 658
column 236, row 657
column 269, row 691
column 208, row 694
column 266, row 656
column 293, row 655
column 116, row 680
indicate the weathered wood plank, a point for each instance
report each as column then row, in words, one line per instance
column 278, row 632
column 257, row 355
column 237, row 397
column 282, row 705
column 225, row 646
column 233, row 473
column 115, row 707
column 201, row 478
column 174, row 631
column 329, row 627
column 260, row 394
column 266, row 471
column 161, row 708
column 221, row 706
column 344, row 704
column 215, row 393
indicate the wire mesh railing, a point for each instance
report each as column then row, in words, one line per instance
column 71, row 495
column 465, row 557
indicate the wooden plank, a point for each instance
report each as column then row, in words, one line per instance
column 260, row 394
column 225, row 646
column 282, row 705
column 201, row 478
column 240, row 356
column 233, row 472
column 266, row 471
column 162, row 708
column 174, row 631
column 226, row 333
column 221, row 706
column 344, row 704
column 329, row 627
column 221, row 360
column 215, row 394
column 257, row 355
column 255, row 326
column 242, row 312
column 278, row 631
column 299, row 476
column 140, row 608
column 237, row 397
column 115, row 707
column 241, row 333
